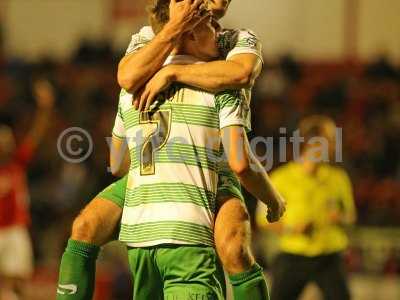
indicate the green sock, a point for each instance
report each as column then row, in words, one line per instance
column 250, row 284
column 77, row 271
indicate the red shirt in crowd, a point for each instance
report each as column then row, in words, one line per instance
column 14, row 196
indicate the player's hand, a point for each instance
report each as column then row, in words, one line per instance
column 160, row 82
column 276, row 209
column 187, row 14
column 44, row 94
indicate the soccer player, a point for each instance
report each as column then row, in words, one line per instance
column 16, row 260
column 241, row 51
column 239, row 65
column 170, row 203
column 319, row 206
column 97, row 222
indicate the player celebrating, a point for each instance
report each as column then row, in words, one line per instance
column 95, row 225
column 170, row 203
column 243, row 60
column 16, row 261
column 147, row 52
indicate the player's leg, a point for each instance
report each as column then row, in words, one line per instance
column 95, row 226
column 91, row 229
column 147, row 281
column 233, row 240
column 331, row 278
column 190, row 272
column 233, row 236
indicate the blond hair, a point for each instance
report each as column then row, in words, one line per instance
column 315, row 126
column 158, row 14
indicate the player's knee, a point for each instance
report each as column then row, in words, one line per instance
column 84, row 229
column 235, row 252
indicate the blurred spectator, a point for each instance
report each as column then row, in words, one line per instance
column 381, row 69
column 16, row 264
column 319, row 205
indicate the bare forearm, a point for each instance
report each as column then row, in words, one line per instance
column 137, row 68
column 213, row 76
column 119, row 157
column 246, row 166
column 123, row 169
column 256, row 181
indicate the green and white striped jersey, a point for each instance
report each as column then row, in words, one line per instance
column 230, row 42
column 175, row 151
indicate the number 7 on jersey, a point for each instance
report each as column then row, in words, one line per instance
column 156, row 129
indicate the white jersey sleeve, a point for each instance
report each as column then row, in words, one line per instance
column 140, row 39
column 239, row 41
column 119, row 127
column 233, row 110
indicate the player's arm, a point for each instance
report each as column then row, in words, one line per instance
column 44, row 96
column 234, row 118
column 289, row 224
column 243, row 52
column 249, row 170
column 349, row 210
column 345, row 214
column 119, row 151
column 138, row 67
column 241, row 68
column 263, row 224
column 119, row 156
column 238, row 72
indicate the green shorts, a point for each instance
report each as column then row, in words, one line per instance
column 115, row 192
column 176, row 272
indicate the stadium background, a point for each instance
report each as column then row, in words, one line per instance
column 337, row 57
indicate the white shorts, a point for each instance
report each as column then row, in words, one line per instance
column 16, row 257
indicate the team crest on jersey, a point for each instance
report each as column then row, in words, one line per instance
column 226, row 41
column 138, row 41
column 250, row 41
column 233, row 38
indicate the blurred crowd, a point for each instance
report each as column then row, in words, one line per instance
column 363, row 99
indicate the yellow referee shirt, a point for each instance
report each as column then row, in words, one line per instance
column 310, row 200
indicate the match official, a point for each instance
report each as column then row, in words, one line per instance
column 320, row 205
